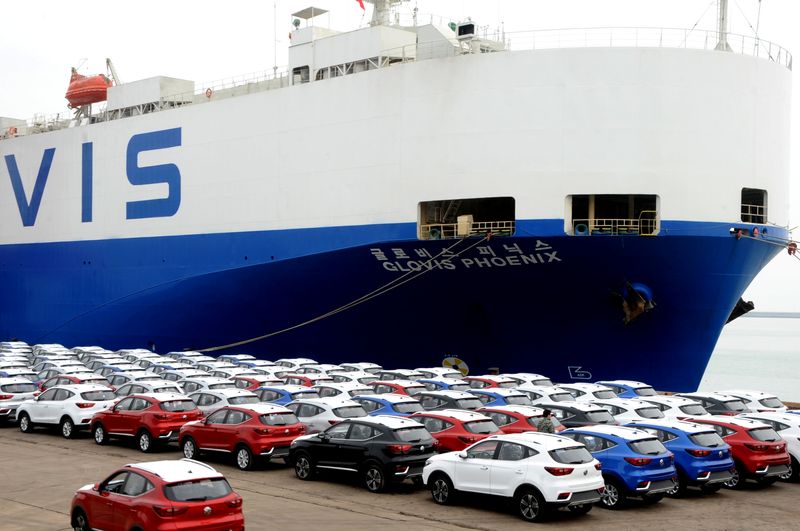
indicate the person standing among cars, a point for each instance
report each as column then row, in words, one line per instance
column 546, row 424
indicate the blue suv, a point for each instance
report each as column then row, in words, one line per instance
column 702, row 458
column 283, row 394
column 389, row 404
column 498, row 396
column 629, row 388
column 444, row 384
column 635, row 463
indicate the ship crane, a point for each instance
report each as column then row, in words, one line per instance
column 112, row 72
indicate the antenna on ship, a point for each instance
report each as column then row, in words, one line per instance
column 383, row 9
column 722, row 24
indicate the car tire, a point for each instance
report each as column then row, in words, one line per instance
column 442, row 490
column 794, row 472
column 766, row 482
column 580, row 509
column 144, row 441
column 304, row 467
column 614, row 496
column 652, row 499
column 530, row 505
column 417, row 481
column 25, row 423
column 738, row 480
column 244, row 458
column 189, row 448
column 68, row 430
column 710, row 489
column 374, row 477
column 679, row 490
column 80, row 522
column 99, row 434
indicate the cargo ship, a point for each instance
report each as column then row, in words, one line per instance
column 585, row 204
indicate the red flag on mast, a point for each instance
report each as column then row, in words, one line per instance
column 361, row 3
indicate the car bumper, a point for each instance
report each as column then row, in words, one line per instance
column 772, row 470
column 654, row 487
column 275, row 451
column 170, row 436
column 582, row 498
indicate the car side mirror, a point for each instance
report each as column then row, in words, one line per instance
column 323, row 436
column 96, row 487
column 463, row 455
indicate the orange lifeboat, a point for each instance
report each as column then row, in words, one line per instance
column 85, row 90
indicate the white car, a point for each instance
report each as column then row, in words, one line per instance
column 438, row 373
column 677, row 407
column 319, row 368
column 196, row 383
column 13, row 392
column 788, row 427
column 583, row 392
column 629, row 388
column 69, row 406
column 362, row 377
column 294, row 363
column 539, row 471
column 758, row 400
column 544, row 393
column 530, row 378
column 362, row 366
column 342, row 391
column 319, row 414
column 210, row 400
column 629, row 409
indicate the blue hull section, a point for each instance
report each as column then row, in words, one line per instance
column 539, row 303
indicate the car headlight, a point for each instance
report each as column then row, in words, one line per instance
column 427, row 462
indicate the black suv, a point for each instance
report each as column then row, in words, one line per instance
column 718, row 403
column 578, row 414
column 382, row 449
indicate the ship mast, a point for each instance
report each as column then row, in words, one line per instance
column 383, row 9
column 722, row 26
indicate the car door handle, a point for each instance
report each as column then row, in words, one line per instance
column 520, row 472
column 484, row 468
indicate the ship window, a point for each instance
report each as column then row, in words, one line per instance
column 612, row 214
column 300, row 75
column 461, row 218
column 754, row 205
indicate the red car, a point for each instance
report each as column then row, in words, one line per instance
column 249, row 432
column 399, row 387
column 306, row 380
column 490, row 380
column 456, row 429
column 158, row 496
column 758, row 451
column 516, row 419
column 251, row 383
column 72, row 379
column 150, row 418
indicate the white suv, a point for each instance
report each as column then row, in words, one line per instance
column 677, row 407
column 539, row 471
column 69, row 406
column 629, row 409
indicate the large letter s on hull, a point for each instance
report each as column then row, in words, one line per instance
column 162, row 173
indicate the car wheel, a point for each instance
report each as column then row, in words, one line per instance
column 417, row 481
column 652, row 499
column 679, row 489
column 189, row 448
column 244, row 458
column 530, row 505
column 80, row 522
column 67, row 428
column 580, row 509
column 145, row 441
column 792, row 474
column 303, row 466
column 374, row 479
column 614, row 496
column 710, row 489
column 737, row 480
column 100, row 436
column 766, row 482
column 442, row 490
column 25, row 424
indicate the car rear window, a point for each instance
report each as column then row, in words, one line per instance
column 764, row 434
column 350, row 412
column 544, row 382
column 414, row 434
column 645, row 391
column 99, row 395
column 574, row 455
column 362, row 391
column 561, row 397
column 694, row 409
column 407, row 407
column 366, row 380
column 459, row 387
column 771, row 402
column 647, row 447
column 469, row 403
column 507, row 385
column 222, row 385
column 178, row 405
column 237, row 400
column 305, row 394
column 600, row 417
column 735, row 405
column 415, row 390
column 167, row 389
column 19, row 388
column 198, row 490
column 604, row 394
column 707, row 438
column 519, row 400
column 481, row 426
column 650, row 413
column 278, row 419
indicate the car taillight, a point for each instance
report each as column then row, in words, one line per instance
column 436, row 443
column 467, row 439
column 333, row 422
column 756, row 447
column 399, row 448
column 261, row 431
column 598, row 466
column 301, row 428
column 699, row 453
column 84, row 405
column 37, row 393
column 559, row 471
column 638, row 461
column 166, row 511
column 6, row 397
column 236, row 502
column 161, row 416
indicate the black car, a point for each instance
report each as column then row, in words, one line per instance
column 381, row 449
column 577, row 414
column 718, row 403
column 438, row 400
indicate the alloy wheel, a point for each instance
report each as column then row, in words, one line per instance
column 188, row 449
column 440, row 491
column 529, row 506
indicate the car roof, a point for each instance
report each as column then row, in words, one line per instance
column 161, row 397
column 623, row 432
column 779, row 416
column 177, row 470
column 344, row 386
column 490, row 377
column 757, row 395
column 449, row 393
column 14, row 380
column 549, row 441
column 686, row 426
column 262, row 408
column 584, row 386
column 327, row 402
column 585, row 407
column 290, row 388
column 404, row 383
column 500, row 391
column 715, row 396
column 82, row 388
column 391, row 421
column 458, row 414
column 735, row 421
column 670, row 400
column 225, row 393
column 629, row 383
column 532, row 411
column 205, row 379
column 389, row 397
column 625, row 403
column 448, row 381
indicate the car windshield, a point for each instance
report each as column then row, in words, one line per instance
column 694, row 409
column 645, row 391
column 238, row 400
column 764, row 434
column 198, row 490
column 707, row 438
column 561, row 397
column 650, row 413
column 521, row 400
column 735, row 405
column 647, row 446
column 19, row 388
column 481, row 426
column 99, row 395
column 178, row 405
column 278, row 419
column 469, row 403
column 350, row 412
column 407, row 407
column 771, row 402
column 604, row 394
column 574, row 455
column 600, row 417
column 415, row 434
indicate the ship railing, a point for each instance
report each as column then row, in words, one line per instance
column 448, row 231
column 645, row 225
column 754, row 213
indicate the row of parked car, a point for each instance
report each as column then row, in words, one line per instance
column 454, row 433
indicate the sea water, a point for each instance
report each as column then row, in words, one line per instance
column 757, row 353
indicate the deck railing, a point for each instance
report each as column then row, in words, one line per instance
column 446, row 231
column 644, row 226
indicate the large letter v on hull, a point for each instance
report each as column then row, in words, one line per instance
column 29, row 210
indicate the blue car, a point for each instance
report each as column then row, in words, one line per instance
column 389, row 404
column 283, row 394
column 702, row 458
column 629, row 388
column 635, row 463
column 444, row 384
column 498, row 396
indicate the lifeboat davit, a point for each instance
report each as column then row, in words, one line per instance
column 85, row 90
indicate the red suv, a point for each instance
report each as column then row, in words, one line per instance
column 306, row 380
column 456, row 429
column 150, row 418
column 758, row 451
column 157, row 496
column 248, row 432
column 398, row 387
column 490, row 380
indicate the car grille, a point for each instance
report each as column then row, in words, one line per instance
column 661, row 486
column 776, row 470
column 719, row 477
column 588, row 496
